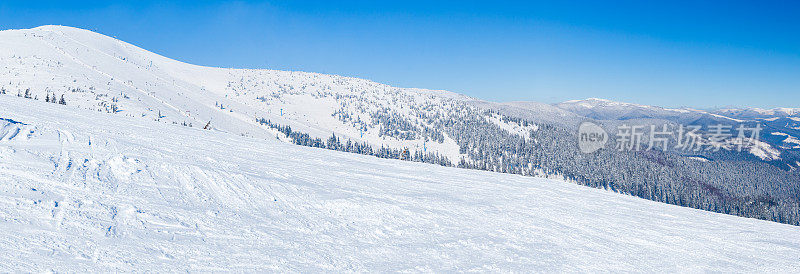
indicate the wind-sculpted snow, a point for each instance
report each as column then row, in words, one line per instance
column 10, row 129
column 97, row 192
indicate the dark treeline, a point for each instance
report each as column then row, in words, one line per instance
column 731, row 184
column 335, row 143
column 735, row 186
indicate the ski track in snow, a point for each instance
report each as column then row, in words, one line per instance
column 79, row 62
column 86, row 191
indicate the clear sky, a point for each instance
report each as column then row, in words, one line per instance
column 675, row 53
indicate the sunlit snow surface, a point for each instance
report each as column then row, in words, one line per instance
column 86, row 191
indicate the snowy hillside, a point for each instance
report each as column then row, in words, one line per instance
column 101, row 73
column 87, row 191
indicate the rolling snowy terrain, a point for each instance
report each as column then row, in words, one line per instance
column 87, row 191
column 101, row 73
column 94, row 72
column 124, row 177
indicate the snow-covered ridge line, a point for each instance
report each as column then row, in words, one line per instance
column 114, row 76
column 60, row 29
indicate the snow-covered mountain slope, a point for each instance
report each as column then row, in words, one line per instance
column 87, row 191
column 101, row 73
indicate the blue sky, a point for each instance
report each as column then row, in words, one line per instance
column 702, row 54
